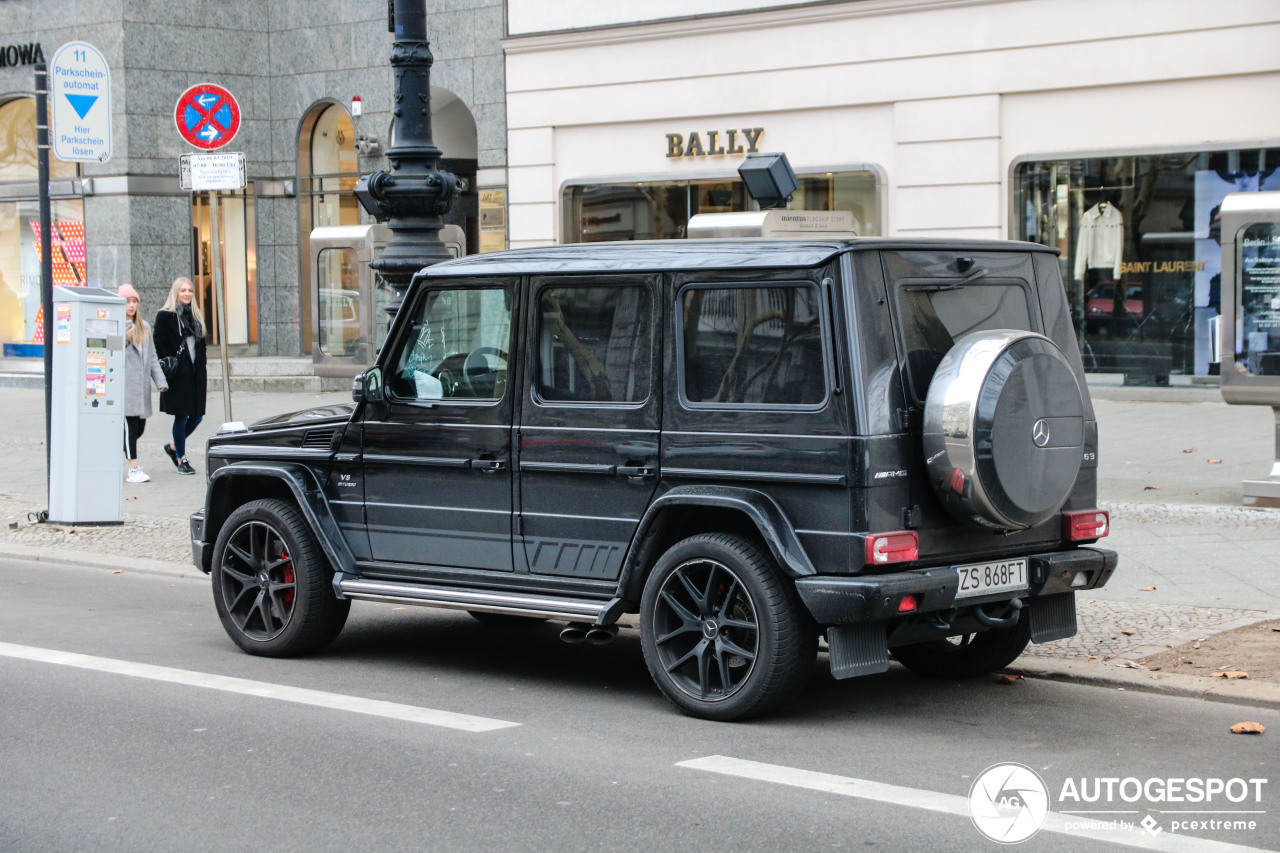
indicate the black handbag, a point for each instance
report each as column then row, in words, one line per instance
column 169, row 364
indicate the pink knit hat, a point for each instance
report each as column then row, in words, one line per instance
column 127, row 291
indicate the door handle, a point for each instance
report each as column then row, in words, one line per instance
column 489, row 466
column 635, row 472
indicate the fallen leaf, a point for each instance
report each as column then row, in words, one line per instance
column 1248, row 728
column 1156, row 669
column 1150, row 488
column 1231, row 673
column 1189, row 450
column 1148, row 589
column 134, row 498
column 1215, row 461
column 1128, row 632
column 118, row 572
column 1129, row 664
column 1092, row 657
column 1009, row 679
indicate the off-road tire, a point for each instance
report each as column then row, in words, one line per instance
column 760, row 624
column 272, row 586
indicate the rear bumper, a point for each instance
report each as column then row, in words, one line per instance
column 834, row 600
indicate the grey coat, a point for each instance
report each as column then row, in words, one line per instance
column 140, row 362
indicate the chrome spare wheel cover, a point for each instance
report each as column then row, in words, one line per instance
column 1004, row 429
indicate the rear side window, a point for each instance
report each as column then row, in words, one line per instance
column 594, row 344
column 753, row 345
column 934, row 313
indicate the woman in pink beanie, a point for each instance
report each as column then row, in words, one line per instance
column 140, row 365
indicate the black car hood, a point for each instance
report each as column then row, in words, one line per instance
column 336, row 412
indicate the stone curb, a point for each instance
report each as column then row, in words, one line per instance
column 1237, row 692
column 139, row 565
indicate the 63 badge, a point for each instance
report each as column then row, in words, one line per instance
column 207, row 116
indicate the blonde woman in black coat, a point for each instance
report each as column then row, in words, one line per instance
column 179, row 335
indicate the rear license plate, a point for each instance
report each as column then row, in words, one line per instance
column 984, row 578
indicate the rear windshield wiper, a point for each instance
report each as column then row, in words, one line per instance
column 934, row 288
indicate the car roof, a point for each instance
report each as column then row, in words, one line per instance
column 652, row 255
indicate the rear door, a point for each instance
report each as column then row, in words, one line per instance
column 938, row 297
column 588, row 432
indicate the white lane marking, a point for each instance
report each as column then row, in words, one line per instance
column 262, row 689
column 952, row 804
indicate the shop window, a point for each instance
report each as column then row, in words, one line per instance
column 1141, row 258
column 237, row 229
column 661, row 210
column 21, row 321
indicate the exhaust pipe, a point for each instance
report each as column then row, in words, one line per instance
column 601, row 634
column 575, row 632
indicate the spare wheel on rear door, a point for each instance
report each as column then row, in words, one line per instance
column 1003, row 429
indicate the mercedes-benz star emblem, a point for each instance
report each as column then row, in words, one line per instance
column 1040, row 433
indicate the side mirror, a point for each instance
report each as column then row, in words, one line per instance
column 367, row 388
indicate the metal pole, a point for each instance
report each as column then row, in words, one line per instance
column 220, row 303
column 46, row 255
column 413, row 197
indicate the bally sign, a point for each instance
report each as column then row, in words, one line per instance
column 732, row 143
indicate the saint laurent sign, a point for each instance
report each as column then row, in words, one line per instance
column 734, row 143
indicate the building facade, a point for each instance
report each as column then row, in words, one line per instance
column 313, row 81
column 1109, row 130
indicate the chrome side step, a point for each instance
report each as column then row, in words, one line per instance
column 517, row 604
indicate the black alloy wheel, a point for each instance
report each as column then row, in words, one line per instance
column 271, row 584
column 724, row 636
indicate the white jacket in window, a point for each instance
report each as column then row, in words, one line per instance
column 1101, row 242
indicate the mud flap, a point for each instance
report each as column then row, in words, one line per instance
column 857, row 649
column 1053, row 617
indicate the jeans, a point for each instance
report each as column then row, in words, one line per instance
column 183, row 427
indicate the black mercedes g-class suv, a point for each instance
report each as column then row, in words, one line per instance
column 749, row 443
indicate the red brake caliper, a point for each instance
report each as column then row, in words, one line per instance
column 288, row 573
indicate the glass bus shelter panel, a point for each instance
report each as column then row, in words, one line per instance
column 338, row 298
column 1258, row 344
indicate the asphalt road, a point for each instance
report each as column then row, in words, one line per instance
column 156, row 733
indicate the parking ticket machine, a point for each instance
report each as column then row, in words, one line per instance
column 1250, row 326
column 86, row 446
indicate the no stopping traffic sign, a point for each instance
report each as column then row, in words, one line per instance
column 207, row 116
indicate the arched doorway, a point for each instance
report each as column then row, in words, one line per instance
column 20, row 333
column 453, row 129
column 327, row 175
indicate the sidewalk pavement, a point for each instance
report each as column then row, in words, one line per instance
column 1193, row 561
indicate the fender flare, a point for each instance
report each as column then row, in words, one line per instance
column 763, row 511
column 308, row 495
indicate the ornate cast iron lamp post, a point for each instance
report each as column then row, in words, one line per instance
column 415, row 194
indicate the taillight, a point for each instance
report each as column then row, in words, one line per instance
column 902, row 546
column 907, row 604
column 1085, row 526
